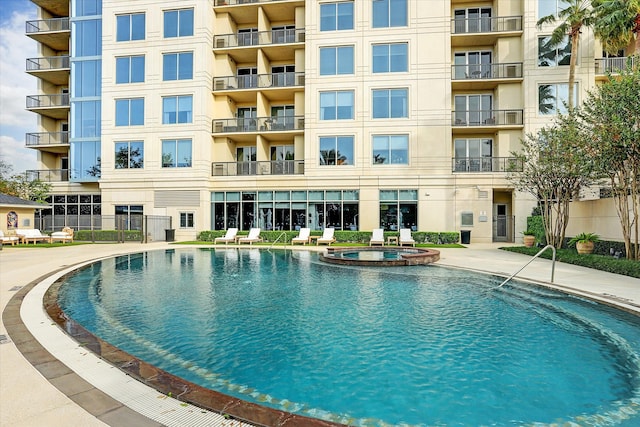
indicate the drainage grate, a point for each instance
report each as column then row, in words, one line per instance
column 15, row 288
column 4, row 339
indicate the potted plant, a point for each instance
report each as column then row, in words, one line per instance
column 584, row 242
column 529, row 238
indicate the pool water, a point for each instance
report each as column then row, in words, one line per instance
column 417, row 346
column 375, row 255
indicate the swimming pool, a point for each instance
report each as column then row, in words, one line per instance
column 420, row 346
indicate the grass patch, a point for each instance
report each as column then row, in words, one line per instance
column 598, row 262
column 45, row 245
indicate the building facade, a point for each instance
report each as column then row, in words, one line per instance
column 280, row 114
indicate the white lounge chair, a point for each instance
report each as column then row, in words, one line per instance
column 8, row 239
column 254, row 236
column 377, row 237
column 32, row 235
column 405, row 238
column 66, row 235
column 303, row 236
column 229, row 237
column 327, row 237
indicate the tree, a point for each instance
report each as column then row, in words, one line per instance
column 555, row 167
column 611, row 115
column 617, row 24
column 576, row 15
column 21, row 186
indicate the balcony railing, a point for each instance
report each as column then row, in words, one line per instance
column 295, row 35
column 262, row 124
column 45, row 101
column 613, row 65
column 48, row 175
column 511, row 70
column 47, row 25
column 235, row 2
column 258, row 81
column 48, row 63
column 46, row 138
column 487, row 164
column 277, row 167
column 486, row 24
column 487, row 118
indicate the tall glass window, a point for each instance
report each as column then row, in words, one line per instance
column 86, row 77
column 87, row 7
column 399, row 209
column 336, row 60
column 390, row 149
column 336, row 150
column 130, row 27
column 552, row 55
column 390, row 58
column 87, row 37
column 553, row 97
column 336, row 16
column 86, row 123
column 178, row 23
column 390, row 103
column 389, row 13
column 85, row 157
column 130, row 69
column 176, row 153
column 129, row 155
column 338, row 105
column 130, row 112
column 549, row 7
column 177, row 66
column 177, row 109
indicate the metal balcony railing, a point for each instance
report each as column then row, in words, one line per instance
column 44, row 101
column 276, row 167
column 48, row 63
column 254, row 81
column 512, row 70
column 613, row 65
column 487, row 24
column 296, row 35
column 236, row 2
column 486, row 164
column 47, row 25
column 487, row 118
column 258, row 124
column 46, row 138
column 48, row 175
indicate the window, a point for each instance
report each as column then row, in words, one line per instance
column 398, row 209
column 336, row 105
column 248, row 37
column 178, row 23
column 336, row 60
column 390, row 103
column 472, row 20
column 87, row 119
column 129, row 155
column 336, row 150
column 473, row 109
column 86, row 161
column 473, row 155
column 466, row 219
column 130, row 27
column 87, row 77
column 130, row 112
column 549, row 7
column 472, row 65
column 550, row 55
column 186, row 220
column 130, row 216
column 87, row 8
column 130, row 69
column 391, row 149
column 177, row 66
column 87, row 39
column 176, row 153
column 389, row 13
column 336, row 16
column 390, row 58
column 177, row 109
column 552, row 97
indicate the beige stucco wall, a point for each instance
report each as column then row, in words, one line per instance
column 25, row 217
column 595, row 216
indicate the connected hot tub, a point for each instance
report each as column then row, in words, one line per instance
column 380, row 256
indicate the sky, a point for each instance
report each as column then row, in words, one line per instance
column 15, row 84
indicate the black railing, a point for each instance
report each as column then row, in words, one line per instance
column 45, row 101
column 511, row 70
column 46, row 138
column 236, row 2
column 48, row 175
column 253, row 81
column 47, row 25
column 487, row 24
column 262, row 38
column 48, row 63
column 486, row 164
column 275, row 167
column 258, row 124
column 487, row 118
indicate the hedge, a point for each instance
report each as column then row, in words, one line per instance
column 107, row 235
column 341, row 236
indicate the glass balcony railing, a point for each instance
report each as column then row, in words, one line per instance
column 255, row 81
column 487, row 71
column 47, row 101
column 487, row 118
column 48, row 175
column 262, row 38
column 47, row 25
column 487, row 164
column 258, row 124
column 488, row 24
column 276, row 167
column 46, row 138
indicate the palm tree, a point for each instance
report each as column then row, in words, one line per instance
column 576, row 15
column 617, row 24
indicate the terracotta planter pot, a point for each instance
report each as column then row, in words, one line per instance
column 529, row 241
column 585, row 248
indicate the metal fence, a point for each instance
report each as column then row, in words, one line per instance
column 151, row 227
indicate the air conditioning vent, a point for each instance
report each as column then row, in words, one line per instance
column 300, row 80
column 218, row 85
column 221, row 2
column 220, row 42
column 218, row 170
column 511, row 71
column 300, row 123
column 217, row 126
column 300, row 37
column 511, row 24
column 511, row 117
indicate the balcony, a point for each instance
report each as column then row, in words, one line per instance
column 605, row 66
column 484, row 30
column 50, row 32
column 54, row 106
column 279, row 85
column 258, row 124
column 48, row 175
column 53, row 142
column 262, row 38
column 474, row 120
column 54, row 69
column 278, row 167
column 56, row 7
column 487, row 164
column 246, row 11
column 484, row 76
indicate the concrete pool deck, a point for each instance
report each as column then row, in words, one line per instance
column 36, row 388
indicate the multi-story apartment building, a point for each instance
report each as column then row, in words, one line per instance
column 280, row 114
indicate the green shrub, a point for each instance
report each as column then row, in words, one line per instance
column 431, row 237
column 107, row 235
column 449, row 237
column 535, row 225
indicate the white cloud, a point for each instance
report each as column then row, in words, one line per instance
column 15, row 85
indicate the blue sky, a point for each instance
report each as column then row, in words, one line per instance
column 15, row 84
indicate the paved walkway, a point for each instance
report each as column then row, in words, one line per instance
column 28, row 396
